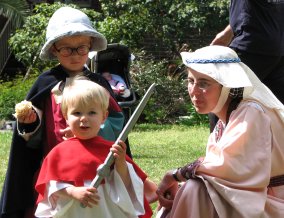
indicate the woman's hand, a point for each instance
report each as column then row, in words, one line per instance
column 167, row 190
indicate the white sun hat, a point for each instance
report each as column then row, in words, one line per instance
column 67, row 21
column 223, row 65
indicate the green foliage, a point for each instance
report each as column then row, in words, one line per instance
column 168, row 101
column 171, row 102
column 193, row 118
column 127, row 21
column 27, row 42
column 13, row 92
column 17, row 10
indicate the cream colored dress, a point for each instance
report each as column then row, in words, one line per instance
column 236, row 171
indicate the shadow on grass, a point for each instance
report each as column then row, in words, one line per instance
column 150, row 127
column 146, row 156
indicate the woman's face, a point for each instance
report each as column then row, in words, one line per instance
column 204, row 91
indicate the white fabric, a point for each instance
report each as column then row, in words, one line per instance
column 222, row 99
column 115, row 200
column 232, row 75
column 67, row 21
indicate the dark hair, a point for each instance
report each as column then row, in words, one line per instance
column 237, row 95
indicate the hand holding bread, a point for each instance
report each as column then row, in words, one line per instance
column 24, row 112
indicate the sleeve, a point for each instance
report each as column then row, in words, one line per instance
column 114, row 123
column 130, row 200
column 50, row 205
column 242, row 157
column 26, row 131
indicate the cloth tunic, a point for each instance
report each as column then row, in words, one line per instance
column 74, row 162
column 237, row 169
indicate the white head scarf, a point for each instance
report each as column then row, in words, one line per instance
column 223, row 65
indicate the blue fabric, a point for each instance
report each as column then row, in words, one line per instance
column 112, row 127
column 208, row 61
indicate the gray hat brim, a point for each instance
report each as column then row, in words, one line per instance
column 99, row 41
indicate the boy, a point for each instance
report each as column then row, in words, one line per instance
column 67, row 171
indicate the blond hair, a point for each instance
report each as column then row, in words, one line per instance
column 82, row 91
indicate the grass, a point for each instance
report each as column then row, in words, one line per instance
column 155, row 148
column 5, row 139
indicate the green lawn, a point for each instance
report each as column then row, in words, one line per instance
column 158, row 148
column 155, row 148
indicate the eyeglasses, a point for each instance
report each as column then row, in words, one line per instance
column 202, row 85
column 67, row 51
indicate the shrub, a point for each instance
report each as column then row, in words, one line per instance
column 13, row 92
column 170, row 103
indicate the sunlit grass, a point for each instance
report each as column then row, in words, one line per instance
column 5, row 140
column 159, row 148
column 155, row 148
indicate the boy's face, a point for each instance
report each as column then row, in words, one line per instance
column 85, row 120
column 74, row 63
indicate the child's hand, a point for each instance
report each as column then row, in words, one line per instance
column 66, row 133
column 119, row 152
column 88, row 196
column 24, row 112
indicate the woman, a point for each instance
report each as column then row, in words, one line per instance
column 242, row 173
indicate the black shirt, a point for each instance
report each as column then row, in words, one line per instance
column 258, row 26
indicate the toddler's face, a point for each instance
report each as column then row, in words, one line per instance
column 75, row 62
column 85, row 120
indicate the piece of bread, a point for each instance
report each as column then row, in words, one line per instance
column 22, row 109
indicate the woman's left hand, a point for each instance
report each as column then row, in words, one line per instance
column 167, row 190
